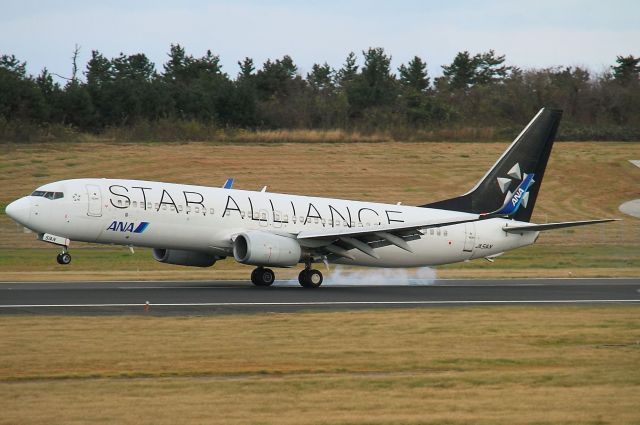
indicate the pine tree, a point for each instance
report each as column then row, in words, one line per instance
column 627, row 69
column 414, row 75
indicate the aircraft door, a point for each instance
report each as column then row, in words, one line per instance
column 94, row 195
column 469, row 236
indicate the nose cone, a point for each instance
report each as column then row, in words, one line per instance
column 19, row 210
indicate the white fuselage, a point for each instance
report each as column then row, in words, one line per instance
column 205, row 219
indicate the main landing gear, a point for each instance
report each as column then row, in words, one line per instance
column 262, row 277
column 310, row 278
column 64, row 257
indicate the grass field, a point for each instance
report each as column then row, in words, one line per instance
column 508, row 365
column 583, row 180
column 525, row 365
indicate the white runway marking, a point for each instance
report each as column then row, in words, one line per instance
column 321, row 303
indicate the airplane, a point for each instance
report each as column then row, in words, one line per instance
column 196, row 226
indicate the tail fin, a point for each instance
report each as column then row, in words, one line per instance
column 527, row 155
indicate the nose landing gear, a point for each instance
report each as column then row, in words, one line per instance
column 64, row 257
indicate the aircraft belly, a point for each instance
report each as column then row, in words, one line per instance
column 426, row 252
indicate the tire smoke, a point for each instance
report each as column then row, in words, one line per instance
column 342, row 275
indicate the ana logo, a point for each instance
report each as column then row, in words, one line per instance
column 123, row 226
column 517, row 196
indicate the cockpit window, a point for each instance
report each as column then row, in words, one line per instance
column 48, row 195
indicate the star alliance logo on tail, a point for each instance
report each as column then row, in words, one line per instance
column 123, row 226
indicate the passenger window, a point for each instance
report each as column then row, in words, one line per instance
column 431, row 232
column 180, row 208
column 172, row 208
column 149, row 205
column 120, row 202
column 134, row 204
column 444, row 232
column 211, row 212
column 164, row 207
column 196, row 209
column 157, row 206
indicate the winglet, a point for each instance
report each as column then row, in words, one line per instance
column 228, row 184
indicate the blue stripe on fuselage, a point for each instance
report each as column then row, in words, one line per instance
column 141, row 227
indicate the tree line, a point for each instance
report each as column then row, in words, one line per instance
column 366, row 94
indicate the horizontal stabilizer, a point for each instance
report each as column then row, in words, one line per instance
column 551, row 226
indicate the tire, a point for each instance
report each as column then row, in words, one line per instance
column 302, row 278
column 59, row 258
column 263, row 277
column 310, row 278
column 65, row 258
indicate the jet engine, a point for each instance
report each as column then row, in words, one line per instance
column 184, row 258
column 266, row 249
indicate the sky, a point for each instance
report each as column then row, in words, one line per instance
column 532, row 34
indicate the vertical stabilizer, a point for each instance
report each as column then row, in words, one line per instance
column 528, row 154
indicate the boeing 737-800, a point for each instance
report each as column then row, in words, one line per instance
column 197, row 226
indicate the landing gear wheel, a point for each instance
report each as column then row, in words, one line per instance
column 310, row 278
column 63, row 258
column 263, row 277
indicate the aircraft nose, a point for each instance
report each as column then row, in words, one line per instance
column 19, row 210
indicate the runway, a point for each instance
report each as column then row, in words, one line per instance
column 224, row 297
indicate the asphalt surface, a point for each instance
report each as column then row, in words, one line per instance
column 216, row 297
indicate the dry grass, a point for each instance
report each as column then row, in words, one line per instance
column 460, row 365
column 307, row 136
column 584, row 180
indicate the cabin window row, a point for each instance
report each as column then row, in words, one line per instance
column 438, row 232
column 165, row 207
column 284, row 218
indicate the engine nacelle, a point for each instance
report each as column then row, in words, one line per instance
column 184, row 258
column 266, row 249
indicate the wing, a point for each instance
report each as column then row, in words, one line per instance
column 339, row 241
